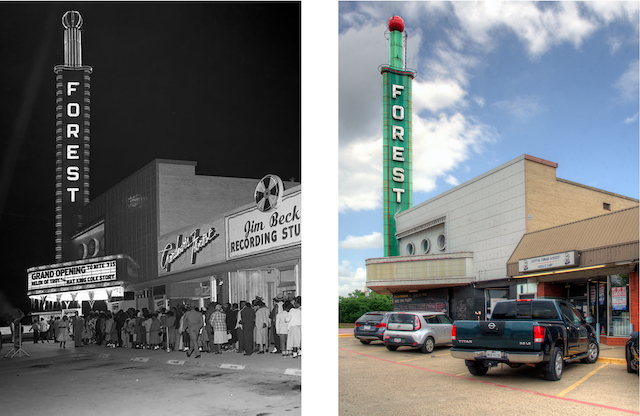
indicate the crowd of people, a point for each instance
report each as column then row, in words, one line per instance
column 247, row 327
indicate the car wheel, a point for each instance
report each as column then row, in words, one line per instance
column 365, row 341
column 631, row 368
column 556, row 365
column 592, row 352
column 428, row 346
column 476, row 368
column 392, row 347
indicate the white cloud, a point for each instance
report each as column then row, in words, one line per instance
column 360, row 175
column 539, row 26
column 373, row 240
column 349, row 280
column 627, row 83
column 631, row 119
column 522, row 108
column 444, row 143
column 436, row 96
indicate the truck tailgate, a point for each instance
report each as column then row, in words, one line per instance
column 499, row 335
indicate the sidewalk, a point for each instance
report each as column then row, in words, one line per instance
column 274, row 363
column 608, row 354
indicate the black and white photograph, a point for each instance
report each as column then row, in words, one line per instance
column 151, row 215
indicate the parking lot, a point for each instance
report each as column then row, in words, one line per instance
column 376, row 381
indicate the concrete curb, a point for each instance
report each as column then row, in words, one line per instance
column 619, row 361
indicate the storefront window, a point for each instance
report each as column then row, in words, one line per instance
column 618, row 309
column 493, row 296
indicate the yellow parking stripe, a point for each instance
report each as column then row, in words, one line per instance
column 582, row 380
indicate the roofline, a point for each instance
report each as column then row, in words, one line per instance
column 599, row 190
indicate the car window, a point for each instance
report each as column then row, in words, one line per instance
column 504, row 310
column 398, row 318
column 431, row 319
column 570, row 315
column 444, row 319
column 371, row 318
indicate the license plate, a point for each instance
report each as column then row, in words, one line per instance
column 494, row 354
column 397, row 340
column 367, row 327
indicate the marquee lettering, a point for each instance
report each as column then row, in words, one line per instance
column 397, row 133
column 73, row 110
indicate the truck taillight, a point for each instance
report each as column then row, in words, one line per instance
column 538, row 334
column 453, row 333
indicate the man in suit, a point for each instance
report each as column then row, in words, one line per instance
column 193, row 322
column 248, row 320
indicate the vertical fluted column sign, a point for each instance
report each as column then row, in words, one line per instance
column 396, row 136
column 73, row 109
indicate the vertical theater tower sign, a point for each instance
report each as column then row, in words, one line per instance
column 73, row 99
column 397, row 148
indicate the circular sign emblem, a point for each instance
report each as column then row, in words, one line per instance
column 268, row 193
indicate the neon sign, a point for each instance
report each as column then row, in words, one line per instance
column 194, row 242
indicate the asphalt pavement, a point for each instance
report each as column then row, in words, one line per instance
column 608, row 354
column 272, row 363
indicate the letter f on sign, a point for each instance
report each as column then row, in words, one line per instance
column 71, row 87
column 395, row 90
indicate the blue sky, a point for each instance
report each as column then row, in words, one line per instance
column 558, row 81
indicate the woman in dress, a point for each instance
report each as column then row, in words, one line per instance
column 262, row 327
column 294, row 337
column 219, row 325
column 154, row 332
column 63, row 332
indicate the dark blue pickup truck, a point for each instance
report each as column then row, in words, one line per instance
column 542, row 332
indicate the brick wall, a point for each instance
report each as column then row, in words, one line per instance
column 551, row 201
column 633, row 300
column 549, row 290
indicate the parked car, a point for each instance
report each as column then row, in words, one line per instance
column 420, row 329
column 370, row 326
column 546, row 333
column 631, row 352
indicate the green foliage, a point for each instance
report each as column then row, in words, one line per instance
column 357, row 303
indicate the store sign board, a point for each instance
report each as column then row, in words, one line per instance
column 253, row 231
column 77, row 274
column 619, row 298
column 191, row 247
column 550, row 261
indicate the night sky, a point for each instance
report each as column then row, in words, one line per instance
column 218, row 84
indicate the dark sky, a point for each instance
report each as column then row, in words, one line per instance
column 215, row 83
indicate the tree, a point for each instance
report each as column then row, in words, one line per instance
column 354, row 305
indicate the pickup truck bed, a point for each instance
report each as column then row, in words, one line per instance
column 544, row 332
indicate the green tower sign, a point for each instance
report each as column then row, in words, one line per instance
column 397, row 148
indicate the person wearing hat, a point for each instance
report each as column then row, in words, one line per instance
column 218, row 322
column 278, row 303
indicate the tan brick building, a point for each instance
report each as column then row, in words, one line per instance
column 455, row 247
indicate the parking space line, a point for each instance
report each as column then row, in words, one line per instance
column 582, row 380
column 598, row 405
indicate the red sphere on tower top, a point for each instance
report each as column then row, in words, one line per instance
column 396, row 23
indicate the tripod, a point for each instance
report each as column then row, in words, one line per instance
column 17, row 343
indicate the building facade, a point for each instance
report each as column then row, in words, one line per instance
column 454, row 248
column 163, row 233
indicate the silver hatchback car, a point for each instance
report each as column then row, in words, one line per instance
column 417, row 329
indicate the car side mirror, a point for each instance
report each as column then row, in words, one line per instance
column 588, row 320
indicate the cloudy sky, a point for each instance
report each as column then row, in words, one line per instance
column 558, row 81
